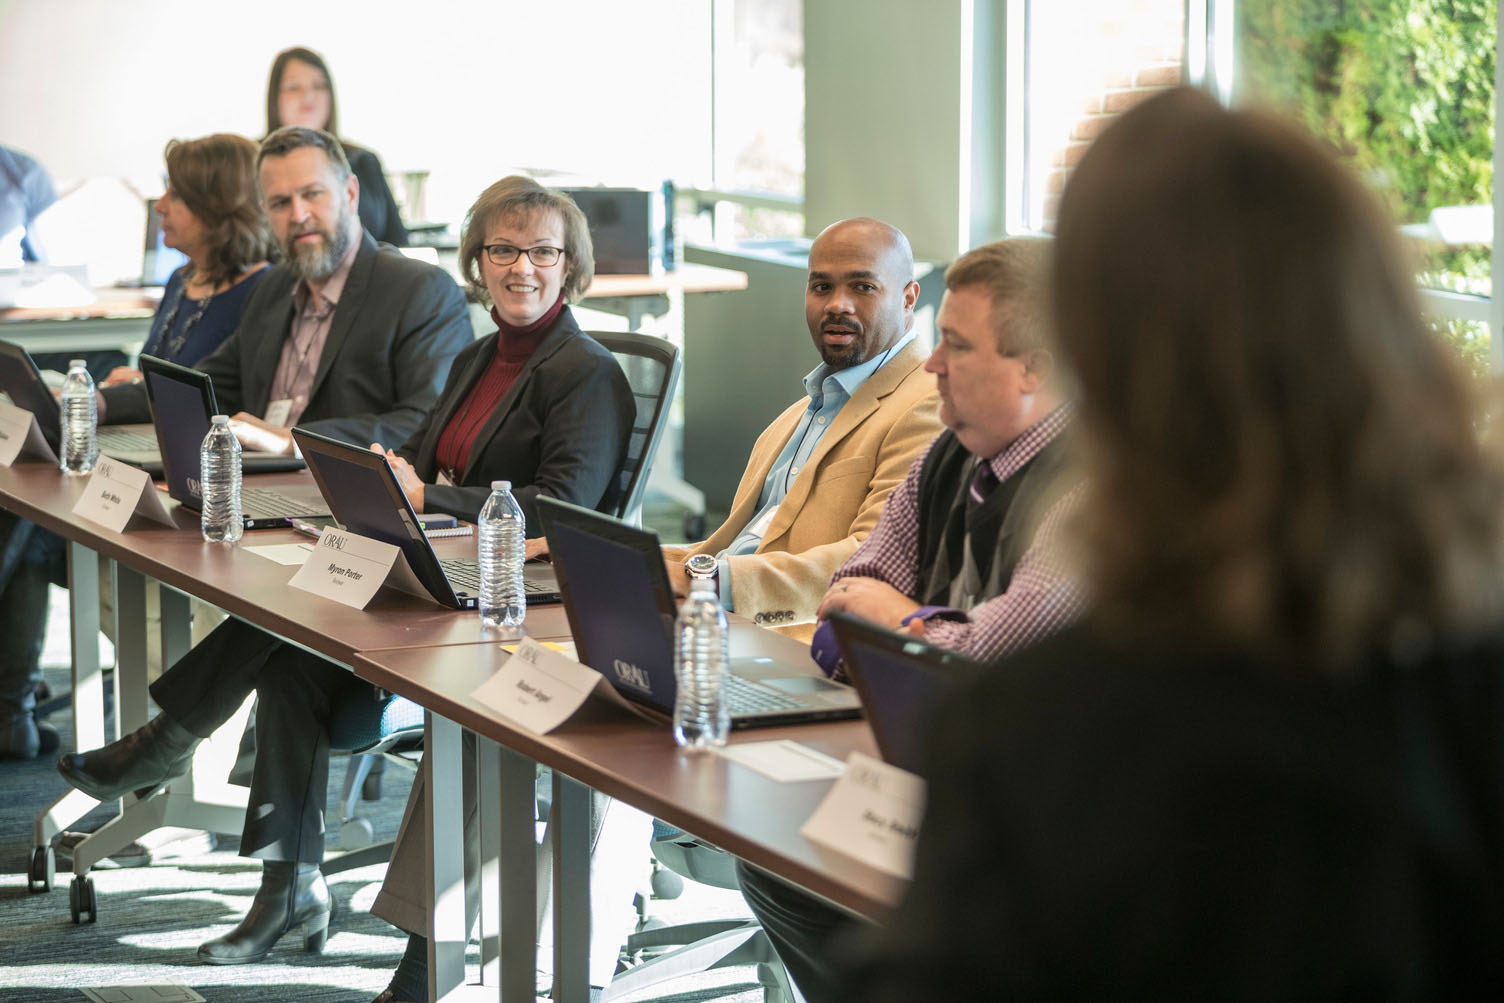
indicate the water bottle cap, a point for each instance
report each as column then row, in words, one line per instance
column 221, row 419
column 501, row 485
column 77, row 364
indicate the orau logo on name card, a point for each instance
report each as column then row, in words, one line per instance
column 632, row 675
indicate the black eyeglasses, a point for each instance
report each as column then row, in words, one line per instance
column 505, row 254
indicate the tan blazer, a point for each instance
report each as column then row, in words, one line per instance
column 834, row 502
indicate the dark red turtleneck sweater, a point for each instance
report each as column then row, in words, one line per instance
column 514, row 345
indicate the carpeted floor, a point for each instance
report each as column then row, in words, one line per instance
column 151, row 919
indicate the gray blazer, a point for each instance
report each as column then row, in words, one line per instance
column 397, row 328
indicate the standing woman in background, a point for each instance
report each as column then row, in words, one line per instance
column 300, row 91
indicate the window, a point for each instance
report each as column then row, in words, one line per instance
column 757, row 132
column 1083, row 63
column 1404, row 90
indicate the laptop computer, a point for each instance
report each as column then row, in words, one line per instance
column 158, row 261
column 23, row 383
column 621, row 611
column 363, row 494
column 901, row 680
column 182, row 406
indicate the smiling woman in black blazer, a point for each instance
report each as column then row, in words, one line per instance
column 539, row 402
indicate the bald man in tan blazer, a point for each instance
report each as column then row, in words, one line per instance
column 859, row 304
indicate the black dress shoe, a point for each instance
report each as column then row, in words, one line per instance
column 144, row 761
column 291, row 895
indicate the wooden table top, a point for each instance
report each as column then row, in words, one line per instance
column 252, row 587
column 636, row 761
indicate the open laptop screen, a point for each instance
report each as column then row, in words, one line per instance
column 24, row 386
column 901, row 680
column 621, row 632
column 182, row 408
column 365, row 497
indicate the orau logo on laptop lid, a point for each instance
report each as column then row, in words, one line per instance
column 632, row 675
column 193, row 488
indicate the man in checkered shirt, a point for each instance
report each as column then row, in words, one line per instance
column 967, row 552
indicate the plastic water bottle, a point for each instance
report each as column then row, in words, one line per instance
column 80, row 420
column 701, row 717
column 220, row 516
column 503, row 540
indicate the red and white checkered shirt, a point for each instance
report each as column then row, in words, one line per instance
column 1043, row 595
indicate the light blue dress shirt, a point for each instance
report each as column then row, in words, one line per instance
column 829, row 390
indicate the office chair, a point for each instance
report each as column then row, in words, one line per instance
column 395, row 729
column 659, row 954
column 652, row 366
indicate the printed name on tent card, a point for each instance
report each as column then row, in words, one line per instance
column 871, row 814
column 346, row 567
column 116, row 491
column 20, row 435
column 540, row 689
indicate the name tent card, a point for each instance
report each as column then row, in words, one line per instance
column 115, row 492
column 346, row 567
column 20, row 435
column 871, row 814
column 540, row 688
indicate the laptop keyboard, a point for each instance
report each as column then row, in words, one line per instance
column 270, row 502
column 119, row 440
column 744, row 697
column 464, row 573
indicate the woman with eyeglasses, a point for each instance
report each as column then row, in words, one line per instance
column 300, row 91
column 539, row 403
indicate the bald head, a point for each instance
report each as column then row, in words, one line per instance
column 859, row 300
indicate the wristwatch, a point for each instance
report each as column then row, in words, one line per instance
column 704, row 566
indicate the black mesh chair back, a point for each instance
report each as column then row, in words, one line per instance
column 652, row 368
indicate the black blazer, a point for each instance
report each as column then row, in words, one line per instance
column 1108, row 822
column 398, row 326
column 377, row 209
column 562, row 429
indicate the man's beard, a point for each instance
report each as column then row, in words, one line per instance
column 318, row 262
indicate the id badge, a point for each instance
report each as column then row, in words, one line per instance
column 277, row 412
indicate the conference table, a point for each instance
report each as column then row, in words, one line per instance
column 436, row 657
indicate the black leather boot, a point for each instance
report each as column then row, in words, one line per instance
column 144, row 761
column 290, row 895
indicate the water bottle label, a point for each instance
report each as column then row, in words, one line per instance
column 347, row 567
column 871, row 814
column 115, row 491
column 20, row 435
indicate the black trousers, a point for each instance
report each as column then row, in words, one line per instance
column 297, row 693
column 802, row 929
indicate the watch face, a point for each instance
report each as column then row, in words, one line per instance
column 701, row 565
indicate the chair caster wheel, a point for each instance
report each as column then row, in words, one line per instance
column 42, row 871
column 356, row 833
column 81, row 899
column 667, row 884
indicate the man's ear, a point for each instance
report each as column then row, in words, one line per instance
column 1039, row 364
